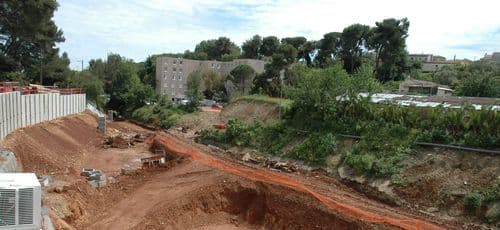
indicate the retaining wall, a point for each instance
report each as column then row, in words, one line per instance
column 18, row 111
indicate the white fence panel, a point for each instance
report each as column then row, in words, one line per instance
column 17, row 111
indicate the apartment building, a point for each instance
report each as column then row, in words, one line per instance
column 430, row 63
column 172, row 73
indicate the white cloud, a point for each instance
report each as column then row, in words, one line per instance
column 138, row 28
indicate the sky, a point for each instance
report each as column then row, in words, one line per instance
column 139, row 28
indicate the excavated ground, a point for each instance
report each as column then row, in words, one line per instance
column 204, row 192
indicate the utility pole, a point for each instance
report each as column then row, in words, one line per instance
column 282, row 76
column 41, row 67
column 82, row 63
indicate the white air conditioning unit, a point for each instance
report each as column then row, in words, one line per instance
column 20, row 201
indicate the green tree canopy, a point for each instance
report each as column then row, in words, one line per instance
column 217, row 49
column 91, row 84
column 251, row 47
column 242, row 77
column 121, row 82
column 389, row 43
column 328, row 48
column 269, row 46
column 213, row 84
column 27, row 34
column 194, row 88
column 353, row 43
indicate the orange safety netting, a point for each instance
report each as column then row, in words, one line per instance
column 269, row 177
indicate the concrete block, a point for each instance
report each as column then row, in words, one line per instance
column 101, row 124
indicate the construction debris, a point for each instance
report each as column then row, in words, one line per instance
column 95, row 178
column 124, row 140
column 281, row 166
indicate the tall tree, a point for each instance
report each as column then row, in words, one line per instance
column 147, row 71
column 389, row 43
column 328, row 48
column 269, row 82
column 91, row 85
column 306, row 51
column 251, row 47
column 269, row 46
column 122, row 83
column 353, row 42
column 296, row 42
column 242, row 76
column 27, row 33
column 217, row 49
column 213, row 83
column 194, row 88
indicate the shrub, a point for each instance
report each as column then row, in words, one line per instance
column 314, row 149
column 473, row 201
column 163, row 114
column 381, row 150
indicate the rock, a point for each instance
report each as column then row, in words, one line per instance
column 59, row 189
column 129, row 171
column 433, row 209
column 246, row 157
column 8, row 163
column 493, row 212
column 383, row 186
column 111, row 180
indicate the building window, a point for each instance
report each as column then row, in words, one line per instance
column 213, row 66
column 173, row 77
column 180, row 62
column 180, row 76
column 165, row 75
column 180, row 70
column 175, row 62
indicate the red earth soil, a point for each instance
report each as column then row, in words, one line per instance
column 174, row 146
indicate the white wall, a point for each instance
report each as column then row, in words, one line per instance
column 17, row 111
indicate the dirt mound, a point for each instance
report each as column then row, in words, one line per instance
column 439, row 179
column 248, row 205
column 251, row 111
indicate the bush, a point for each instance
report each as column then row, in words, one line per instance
column 381, row 150
column 163, row 114
column 473, row 201
column 314, row 149
column 213, row 136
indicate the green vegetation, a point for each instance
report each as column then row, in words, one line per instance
column 381, row 150
column 286, row 104
column 163, row 114
column 242, row 76
column 28, row 37
column 315, row 148
column 323, row 103
column 475, row 79
column 473, row 201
